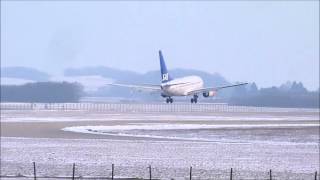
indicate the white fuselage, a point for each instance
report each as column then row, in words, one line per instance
column 182, row 86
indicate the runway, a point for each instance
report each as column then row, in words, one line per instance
column 212, row 142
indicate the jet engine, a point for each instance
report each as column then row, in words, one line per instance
column 209, row 94
column 163, row 95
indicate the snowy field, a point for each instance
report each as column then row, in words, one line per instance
column 249, row 142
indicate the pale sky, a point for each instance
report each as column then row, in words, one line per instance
column 264, row 42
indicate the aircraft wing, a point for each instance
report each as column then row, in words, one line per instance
column 214, row 88
column 147, row 87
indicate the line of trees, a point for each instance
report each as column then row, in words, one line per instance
column 49, row 92
column 287, row 95
column 291, row 94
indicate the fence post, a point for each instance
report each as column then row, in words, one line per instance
column 270, row 173
column 315, row 175
column 231, row 174
column 73, row 170
column 150, row 177
column 112, row 171
column 190, row 172
column 34, row 171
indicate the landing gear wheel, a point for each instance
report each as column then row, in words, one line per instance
column 167, row 100
column 171, row 100
column 194, row 99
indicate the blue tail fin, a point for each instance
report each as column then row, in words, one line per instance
column 163, row 68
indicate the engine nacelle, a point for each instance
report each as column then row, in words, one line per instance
column 163, row 95
column 209, row 94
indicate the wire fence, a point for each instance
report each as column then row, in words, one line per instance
column 146, row 108
column 188, row 175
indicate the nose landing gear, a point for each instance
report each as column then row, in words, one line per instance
column 194, row 99
column 169, row 100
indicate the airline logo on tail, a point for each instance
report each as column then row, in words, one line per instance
column 165, row 77
column 163, row 68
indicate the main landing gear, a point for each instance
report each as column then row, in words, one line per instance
column 169, row 100
column 194, row 99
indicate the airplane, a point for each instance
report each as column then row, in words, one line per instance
column 184, row 86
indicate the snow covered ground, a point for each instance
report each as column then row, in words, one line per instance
column 168, row 159
column 212, row 143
